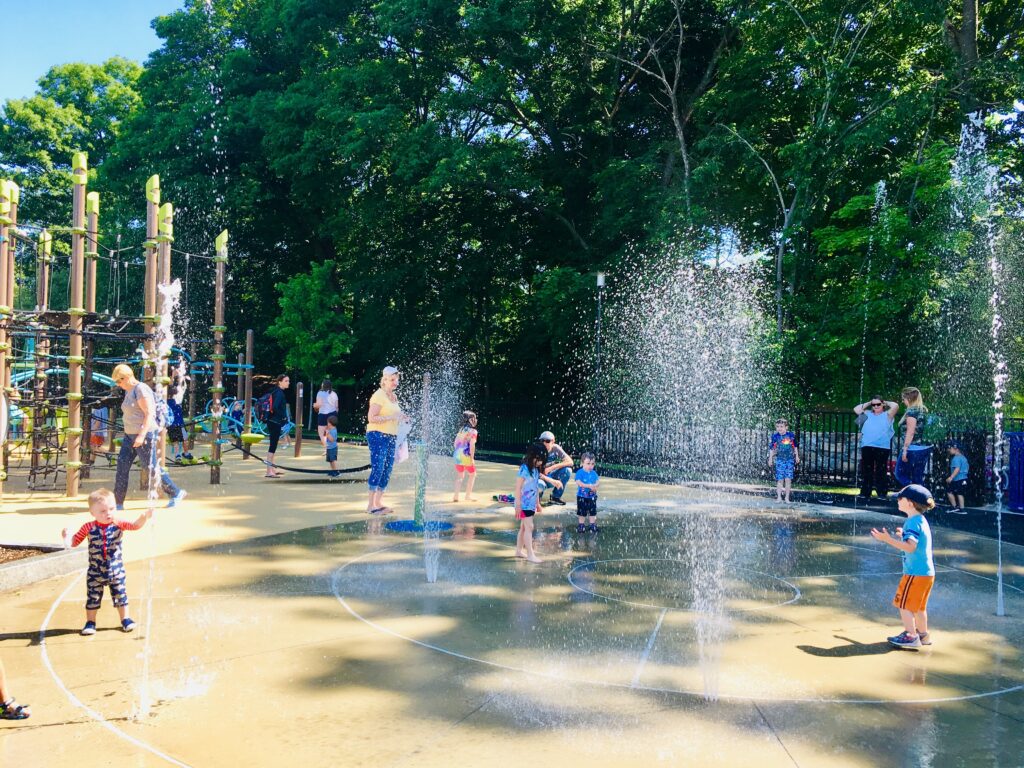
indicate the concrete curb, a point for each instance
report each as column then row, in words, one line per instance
column 57, row 562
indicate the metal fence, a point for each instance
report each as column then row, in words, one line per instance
column 828, row 442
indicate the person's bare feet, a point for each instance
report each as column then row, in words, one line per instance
column 470, row 498
column 455, row 499
column 520, row 554
column 534, row 559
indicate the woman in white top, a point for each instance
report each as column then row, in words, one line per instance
column 326, row 404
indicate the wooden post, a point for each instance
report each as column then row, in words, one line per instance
column 250, row 345
column 42, row 350
column 162, row 350
column 92, row 213
column 149, row 292
column 76, row 312
column 191, row 439
column 240, row 380
column 298, row 420
column 7, row 222
column 217, row 410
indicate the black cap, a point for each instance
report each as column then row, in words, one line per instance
column 917, row 494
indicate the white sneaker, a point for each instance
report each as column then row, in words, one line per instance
column 181, row 494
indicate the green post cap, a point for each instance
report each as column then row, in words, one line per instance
column 221, row 243
column 45, row 242
column 5, row 200
column 166, row 225
column 153, row 189
column 92, row 203
column 13, row 192
column 79, row 162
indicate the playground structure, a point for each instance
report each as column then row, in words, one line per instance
column 50, row 420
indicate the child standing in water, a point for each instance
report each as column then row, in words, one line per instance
column 106, row 566
column 914, row 540
column 586, row 494
column 956, row 483
column 331, row 444
column 465, row 455
column 526, row 497
column 783, row 454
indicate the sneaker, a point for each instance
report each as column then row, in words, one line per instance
column 127, row 625
column 580, row 528
column 177, row 498
column 925, row 638
column 593, row 528
column 905, row 640
column 957, row 511
column 187, row 456
column 559, row 502
column 89, row 628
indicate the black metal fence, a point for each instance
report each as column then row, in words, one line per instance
column 684, row 450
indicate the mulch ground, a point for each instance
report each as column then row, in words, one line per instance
column 8, row 555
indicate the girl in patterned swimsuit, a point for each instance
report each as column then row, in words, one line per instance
column 465, row 455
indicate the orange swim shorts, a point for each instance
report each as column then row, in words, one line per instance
column 912, row 593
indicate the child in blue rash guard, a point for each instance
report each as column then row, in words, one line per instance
column 783, row 454
column 956, row 483
column 587, row 481
column 914, row 540
column 331, row 444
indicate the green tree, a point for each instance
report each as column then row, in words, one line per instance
column 76, row 107
column 314, row 324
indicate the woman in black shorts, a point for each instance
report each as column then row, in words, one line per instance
column 277, row 418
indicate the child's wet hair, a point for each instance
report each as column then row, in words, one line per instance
column 467, row 417
column 332, row 420
column 101, row 494
column 535, row 453
column 587, row 456
column 922, row 508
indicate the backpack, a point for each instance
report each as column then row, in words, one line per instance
column 265, row 407
column 933, row 430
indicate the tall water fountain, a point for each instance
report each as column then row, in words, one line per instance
column 976, row 209
column 689, row 381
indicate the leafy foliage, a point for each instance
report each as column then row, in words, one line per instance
column 417, row 169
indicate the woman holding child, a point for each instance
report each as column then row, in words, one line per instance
column 382, row 420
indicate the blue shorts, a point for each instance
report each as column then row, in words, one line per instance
column 958, row 487
column 586, row 507
column 332, row 454
column 784, row 469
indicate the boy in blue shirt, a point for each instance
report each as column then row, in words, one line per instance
column 914, row 540
column 956, row 483
column 586, row 494
column 331, row 442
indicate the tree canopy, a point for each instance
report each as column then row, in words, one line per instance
column 394, row 172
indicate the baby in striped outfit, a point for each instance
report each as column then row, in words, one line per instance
column 106, row 565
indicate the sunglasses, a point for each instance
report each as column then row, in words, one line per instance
column 877, row 405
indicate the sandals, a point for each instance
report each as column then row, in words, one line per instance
column 12, row 710
column 381, row 511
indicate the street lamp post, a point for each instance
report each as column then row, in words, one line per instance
column 598, row 415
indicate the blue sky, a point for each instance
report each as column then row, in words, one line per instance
column 41, row 33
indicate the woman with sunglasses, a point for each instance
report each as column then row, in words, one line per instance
column 875, row 418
